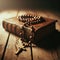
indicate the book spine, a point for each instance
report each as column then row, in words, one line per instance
column 13, row 28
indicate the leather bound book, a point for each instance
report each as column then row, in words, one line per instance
column 36, row 29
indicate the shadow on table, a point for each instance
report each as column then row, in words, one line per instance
column 51, row 41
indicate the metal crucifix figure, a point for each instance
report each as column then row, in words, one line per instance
column 20, row 48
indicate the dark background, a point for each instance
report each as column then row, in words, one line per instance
column 30, row 4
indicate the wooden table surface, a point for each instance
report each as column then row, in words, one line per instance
column 38, row 52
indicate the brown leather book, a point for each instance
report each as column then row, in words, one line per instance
column 35, row 31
